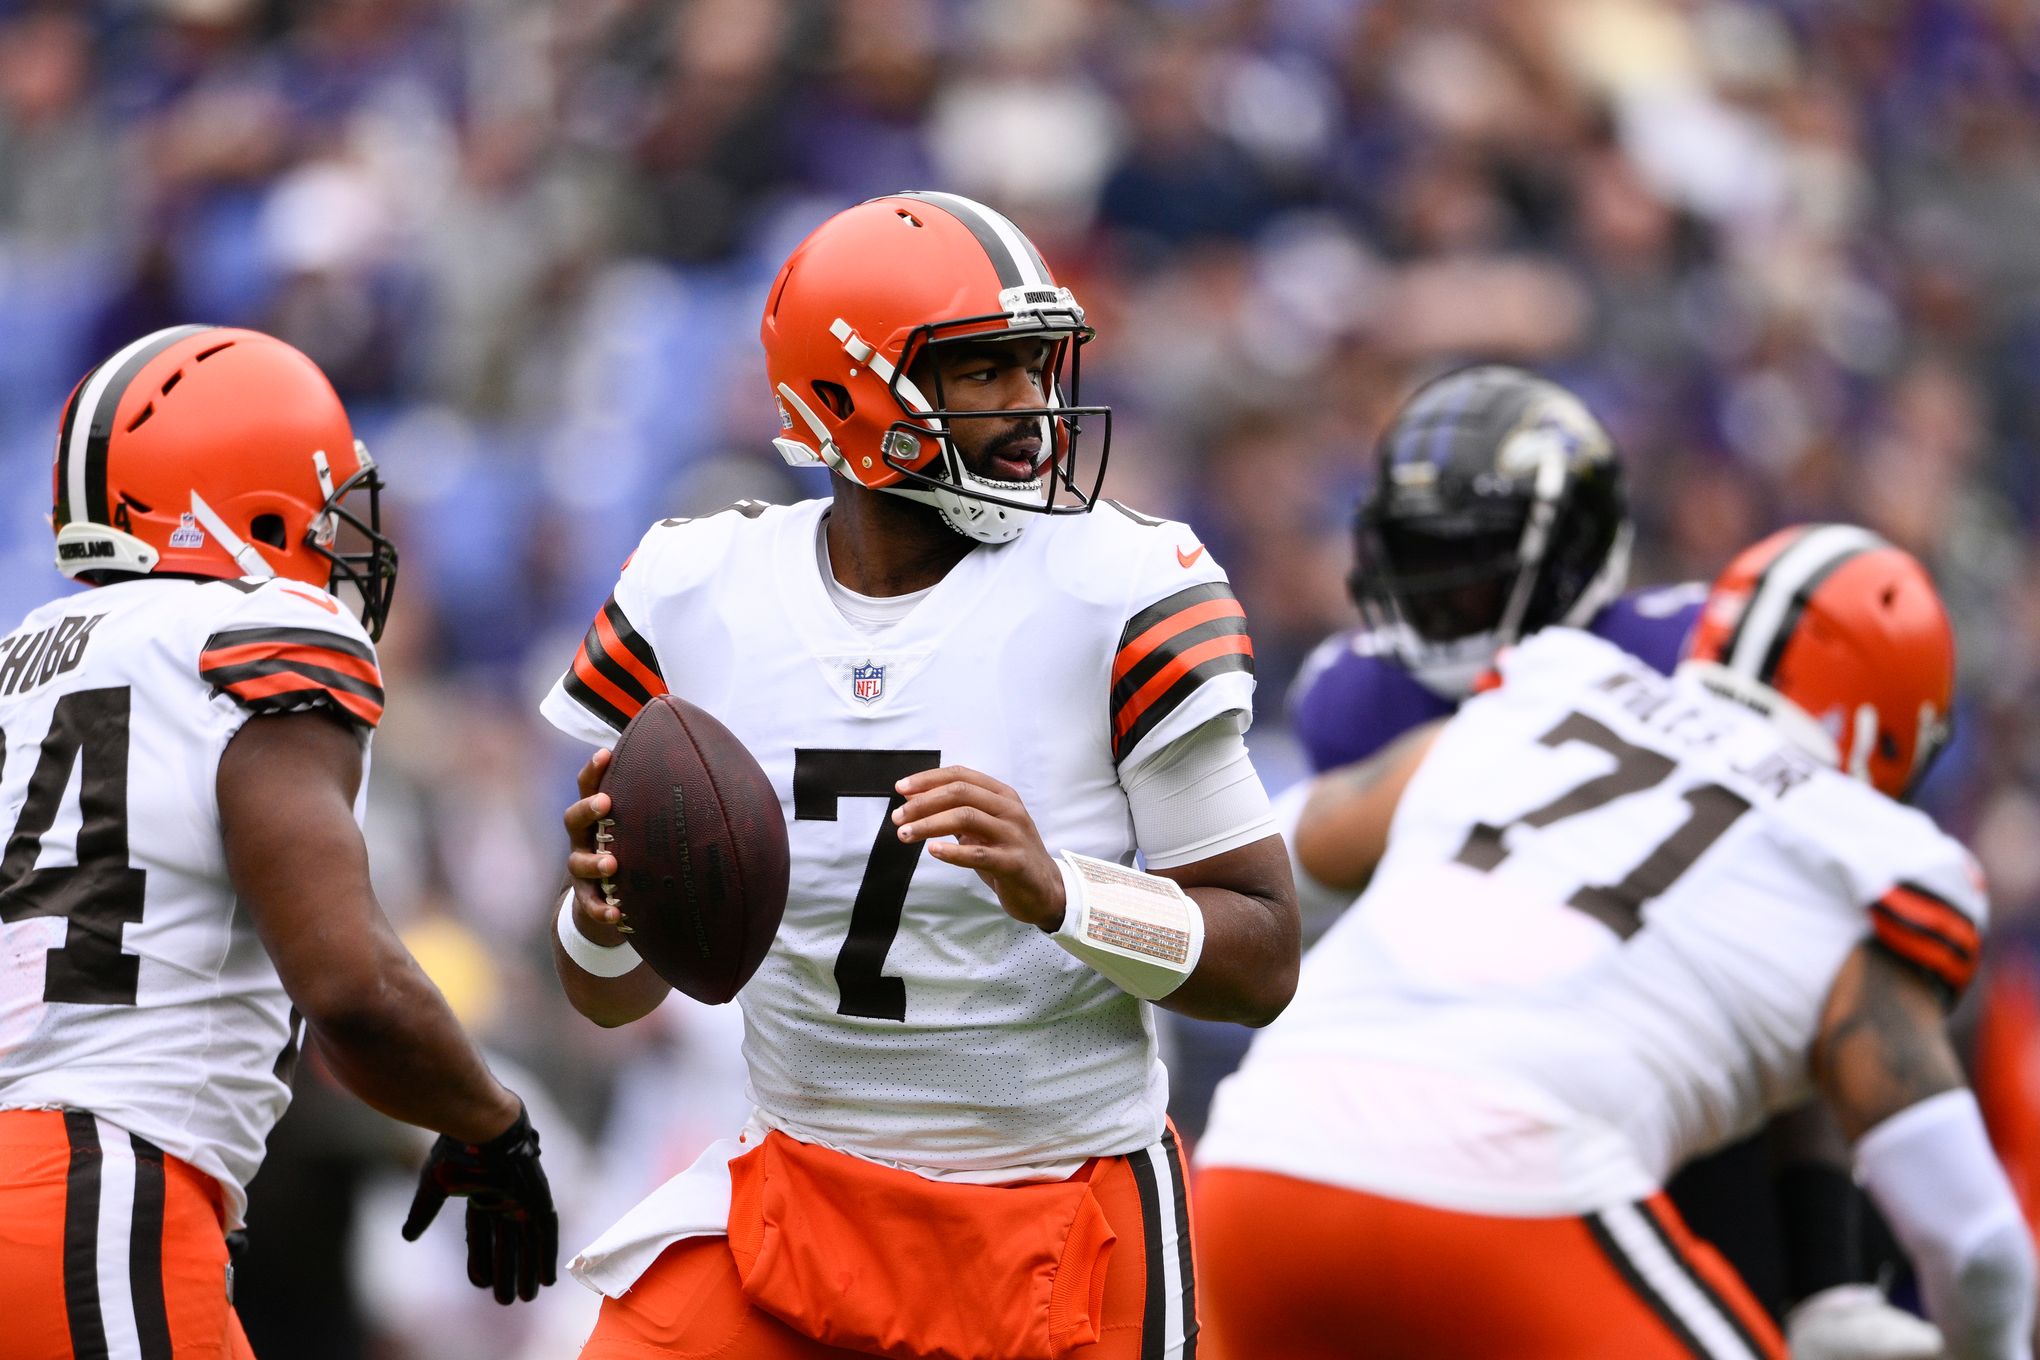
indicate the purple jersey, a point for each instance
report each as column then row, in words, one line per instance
column 1354, row 696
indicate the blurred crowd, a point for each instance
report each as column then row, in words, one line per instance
column 1785, row 249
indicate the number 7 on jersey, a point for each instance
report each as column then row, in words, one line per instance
column 821, row 778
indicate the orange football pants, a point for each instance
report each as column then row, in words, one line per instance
column 691, row 1304
column 1306, row 1271
column 108, row 1247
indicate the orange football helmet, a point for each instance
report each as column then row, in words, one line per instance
column 859, row 301
column 1840, row 637
column 214, row 452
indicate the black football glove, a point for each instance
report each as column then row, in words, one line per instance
column 513, row 1235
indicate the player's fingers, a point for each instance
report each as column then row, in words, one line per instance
column 528, row 1263
column 591, row 865
column 424, row 1208
column 480, row 1243
column 947, row 774
column 510, row 1270
column 973, row 822
column 548, row 1245
column 986, row 859
column 589, row 901
column 583, row 817
column 591, row 773
column 957, row 793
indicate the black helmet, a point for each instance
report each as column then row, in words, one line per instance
column 1498, row 508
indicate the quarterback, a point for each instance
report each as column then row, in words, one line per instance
column 981, row 691
column 184, row 893
column 1619, row 920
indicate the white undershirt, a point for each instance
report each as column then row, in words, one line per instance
column 1197, row 797
column 871, row 615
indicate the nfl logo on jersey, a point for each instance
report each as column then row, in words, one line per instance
column 867, row 682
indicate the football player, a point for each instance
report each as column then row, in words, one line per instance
column 184, row 893
column 1499, row 508
column 1619, row 921
column 980, row 691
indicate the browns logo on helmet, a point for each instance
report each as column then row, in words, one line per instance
column 215, row 452
column 861, row 300
column 1841, row 638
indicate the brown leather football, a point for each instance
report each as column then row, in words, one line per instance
column 700, row 846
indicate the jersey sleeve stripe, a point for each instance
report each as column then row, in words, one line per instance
column 258, row 653
column 634, row 643
column 288, row 692
column 1134, row 680
column 1135, row 635
column 1922, row 929
column 588, row 688
column 1156, row 638
column 619, row 663
column 1175, row 683
column 301, row 637
column 227, row 677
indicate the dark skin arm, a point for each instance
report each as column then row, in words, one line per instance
column 609, row 1002
column 1883, row 1044
column 1252, row 929
column 1343, row 832
column 286, row 791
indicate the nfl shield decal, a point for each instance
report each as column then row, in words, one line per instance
column 867, row 681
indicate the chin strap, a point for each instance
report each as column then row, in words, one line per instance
column 1795, row 722
column 244, row 553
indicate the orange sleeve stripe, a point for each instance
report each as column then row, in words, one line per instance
column 284, row 683
column 585, row 671
column 1930, row 952
column 1155, row 688
column 1929, row 914
column 1136, row 651
column 221, row 657
column 654, row 683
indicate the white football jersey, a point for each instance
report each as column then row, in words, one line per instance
column 901, row 1014
column 1611, row 910
column 131, row 983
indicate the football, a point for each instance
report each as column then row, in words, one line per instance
column 700, row 846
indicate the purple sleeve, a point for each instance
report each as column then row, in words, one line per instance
column 1652, row 625
column 1351, row 705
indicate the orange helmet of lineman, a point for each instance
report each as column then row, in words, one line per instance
column 863, row 297
column 212, row 452
column 1841, row 638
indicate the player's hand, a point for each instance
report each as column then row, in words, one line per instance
column 993, row 835
column 597, row 913
column 1856, row 1322
column 513, row 1235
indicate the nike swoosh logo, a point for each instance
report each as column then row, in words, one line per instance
column 332, row 608
column 1189, row 559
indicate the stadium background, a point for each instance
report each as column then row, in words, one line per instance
column 1786, row 248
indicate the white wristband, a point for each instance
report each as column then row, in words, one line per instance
column 1140, row 930
column 603, row 960
column 1930, row 1170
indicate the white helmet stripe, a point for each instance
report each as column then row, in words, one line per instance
column 1771, row 608
column 86, row 414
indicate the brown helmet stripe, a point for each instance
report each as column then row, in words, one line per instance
column 81, row 458
column 1011, row 253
